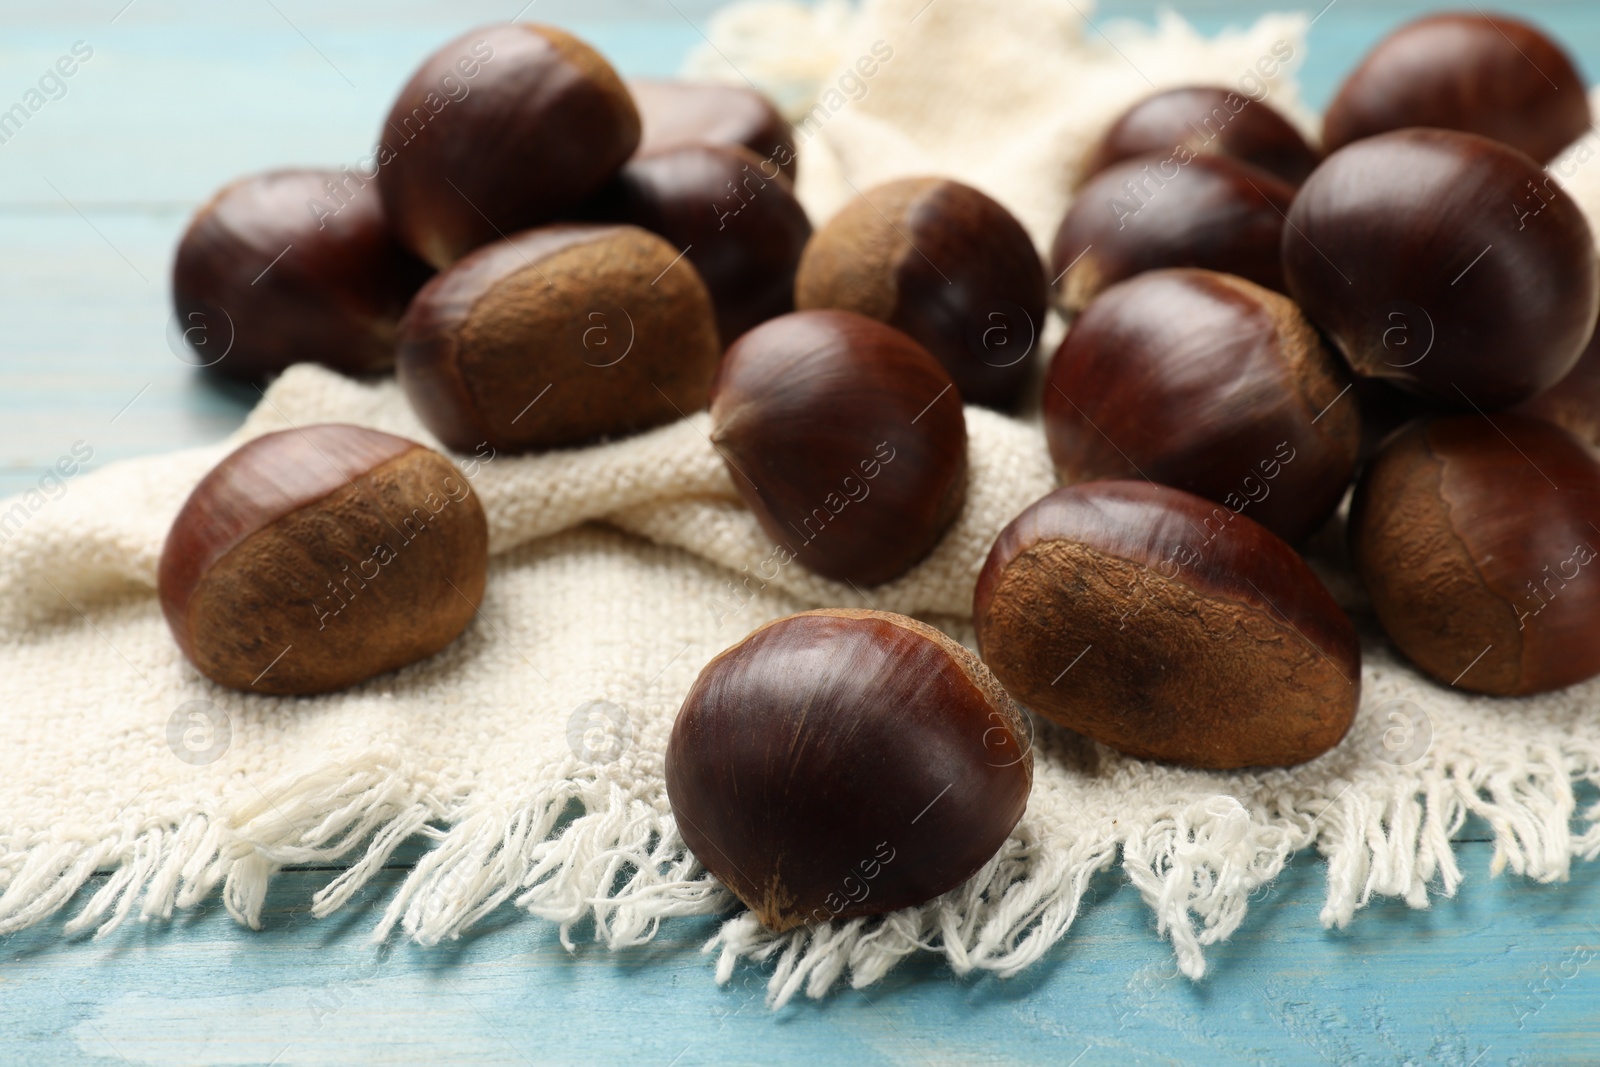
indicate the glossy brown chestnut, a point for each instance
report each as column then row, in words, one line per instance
column 733, row 212
column 1446, row 263
column 677, row 114
column 1470, row 71
column 845, row 438
column 1385, row 409
column 506, row 127
column 1573, row 403
column 1476, row 537
column 841, row 763
column 1167, row 627
column 313, row 559
column 1205, row 119
column 1157, row 211
column 558, row 336
column 290, row 266
column 947, row 265
column 1210, row 384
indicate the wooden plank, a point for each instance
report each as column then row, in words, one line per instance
column 1505, row 974
column 179, row 98
column 97, row 186
column 182, row 96
column 84, row 349
column 166, row 112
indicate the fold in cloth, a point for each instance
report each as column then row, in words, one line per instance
column 529, row 752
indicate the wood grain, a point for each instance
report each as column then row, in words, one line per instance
column 182, row 96
column 1506, row 973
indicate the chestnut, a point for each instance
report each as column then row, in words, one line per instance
column 1446, row 263
column 1205, row 119
column 1486, row 74
column 845, row 438
column 312, row 559
column 947, row 265
column 841, row 763
column 1167, row 627
column 1573, row 403
column 1385, row 409
column 1210, row 384
column 506, row 127
column 558, row 336
column 1476, row 538
column 1154, row 211
column 732, row 212
column 676, row 114
column 288, row 266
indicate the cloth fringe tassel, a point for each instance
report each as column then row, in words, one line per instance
column 584, row 849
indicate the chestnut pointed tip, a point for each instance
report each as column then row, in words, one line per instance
column 845, row 439
column 1400, row 246
column 841, row 763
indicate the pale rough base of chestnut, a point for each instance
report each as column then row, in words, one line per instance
column 471, row 748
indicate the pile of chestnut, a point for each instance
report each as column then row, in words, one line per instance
column 549, row 258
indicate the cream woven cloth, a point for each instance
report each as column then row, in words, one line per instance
column 529, row 752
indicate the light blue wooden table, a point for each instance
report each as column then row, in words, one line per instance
column 177, row 98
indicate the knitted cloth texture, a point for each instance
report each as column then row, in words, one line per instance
column 528, row 754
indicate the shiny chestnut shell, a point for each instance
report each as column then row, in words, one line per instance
column 845, row 438
column 313, row 559
column 1158, row 211
column 946, row 264
column 1446, row 263
column 559, row 336
column 1573, row 403
column 261, row 281
column 1205, row 119
column 1476, row 537
column 1210, row 384
column 1167, row 627
column 841, row 763
column 1385, row 409
column 677, row 114
column 540, row 124
column 1471, row 71
column 733, row 213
